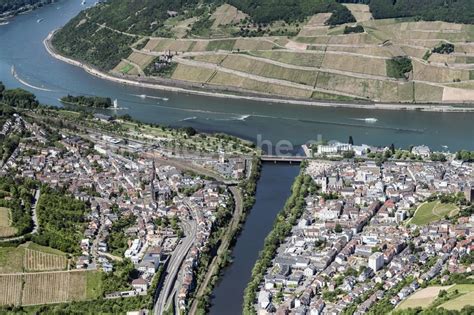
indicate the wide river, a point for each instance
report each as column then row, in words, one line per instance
column 21, row 46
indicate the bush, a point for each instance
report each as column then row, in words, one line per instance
column 354, row 29
column 444, row 48
column 398, row 67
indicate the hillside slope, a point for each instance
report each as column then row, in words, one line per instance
column 102, row 34
column 251, row 48
column 456, row 11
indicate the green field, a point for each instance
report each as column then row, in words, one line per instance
column 126, row 69
column 226, row 44
column 422, row 298
column 432, row 211
column 465, row 297
column 6, row 229
column 425, row 297
column 94, row 288
column 11, row 259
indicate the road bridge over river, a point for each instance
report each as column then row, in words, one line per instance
column 283, row 158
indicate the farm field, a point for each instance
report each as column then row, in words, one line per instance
column 227, row 14
column 40, row 261
column 10, row 289
column 422, row 298
column 49, row 287
column 466, row 297
column 432, row 211
column 227, row 79
column 192, row 74
column 264, row 69
column 345, row 63
column 298, row 59
column 11, row 259
column 31, row 257
column 6, row 229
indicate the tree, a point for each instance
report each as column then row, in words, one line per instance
column 190, row 131
column 392, row 148
column 351, row 140
column 348, row 154
column 19, row 98
column 338, row 228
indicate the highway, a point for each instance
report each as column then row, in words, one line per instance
column 177, row 258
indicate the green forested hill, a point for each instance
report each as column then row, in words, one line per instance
column 92, row 44
column 456, row 11
column 146, row 16
column 14, row 5
column 140, row 16
column 265, row 11
column 85, row 38
column 104, row 35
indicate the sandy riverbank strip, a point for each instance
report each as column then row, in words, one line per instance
column 156, row 86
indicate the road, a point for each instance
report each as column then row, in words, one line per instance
column 174, row 265
column 34, row 215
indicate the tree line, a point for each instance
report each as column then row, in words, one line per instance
column 88, row 101
column 267, row 11
column 17, row 98
column 16, row 195
column 455, row 11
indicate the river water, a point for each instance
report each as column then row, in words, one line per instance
column 272, row 191
column 21, row 46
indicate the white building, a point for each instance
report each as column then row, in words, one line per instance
column 421, row 150
column 263, row 299
column 376, row 261
column 334, row 148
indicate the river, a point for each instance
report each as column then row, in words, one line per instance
column 228, row 294
column 21, row 46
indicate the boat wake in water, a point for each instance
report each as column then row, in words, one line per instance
column 15, row 75
column 229, row 116
column 144, row 96
column 189, row 118
column 238, row 117
column 367, row 120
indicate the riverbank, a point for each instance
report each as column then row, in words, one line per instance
column 7, row 15
column 190, row 89
column 285, row 220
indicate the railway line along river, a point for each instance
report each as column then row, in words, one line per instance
column 34, row 69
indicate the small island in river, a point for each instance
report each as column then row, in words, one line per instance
column 88, row 101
